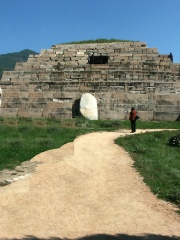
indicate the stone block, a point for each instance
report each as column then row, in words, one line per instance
column 165, row 116
column 10, row 94
column 145, row 115
column 8, row 112
column 35, row 95
column 52, row 104
column 13, row 104
column 118, row 114
column 22, row 112
column 35, row 112
column 167, row 108
column 80, row 53
column 37, row 105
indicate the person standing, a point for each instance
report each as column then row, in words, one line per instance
column 132, row 118
column 171, row 57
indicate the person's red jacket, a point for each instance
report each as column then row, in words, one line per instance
column 132, row 115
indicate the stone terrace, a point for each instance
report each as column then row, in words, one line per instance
column 50, row 84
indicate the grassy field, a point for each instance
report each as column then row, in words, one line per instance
column 23, row 138
column 157, row 162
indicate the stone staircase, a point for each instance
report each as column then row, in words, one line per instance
column 49, row 83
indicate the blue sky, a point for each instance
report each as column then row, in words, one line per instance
column 38, row 24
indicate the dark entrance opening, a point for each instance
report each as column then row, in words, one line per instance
column 98, row 59
column 76, row 108
column 178, row 118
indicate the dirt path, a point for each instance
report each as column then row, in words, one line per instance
column 83, row 188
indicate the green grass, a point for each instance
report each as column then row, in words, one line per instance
column 23, row 138
column 156, row 161
column 99, row 40
column 21, row 143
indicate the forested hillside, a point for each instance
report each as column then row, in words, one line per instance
column 8, row 61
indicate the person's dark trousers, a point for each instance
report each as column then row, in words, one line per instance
column 133, row 125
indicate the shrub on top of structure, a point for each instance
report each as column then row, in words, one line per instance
column 99, row 40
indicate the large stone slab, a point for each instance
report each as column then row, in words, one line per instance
column 88, row 106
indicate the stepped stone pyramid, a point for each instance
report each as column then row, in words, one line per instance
column 118, row 74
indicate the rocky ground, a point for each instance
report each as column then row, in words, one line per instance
column 20, row 172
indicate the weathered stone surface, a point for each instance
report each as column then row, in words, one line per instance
column 19, row 169
column 88, row 106
column 134, row 75
column 20, row 172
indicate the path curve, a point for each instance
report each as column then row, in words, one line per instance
column 83, row 188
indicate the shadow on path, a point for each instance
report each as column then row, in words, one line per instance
column 103, row 237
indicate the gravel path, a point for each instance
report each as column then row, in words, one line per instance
column 84, row 188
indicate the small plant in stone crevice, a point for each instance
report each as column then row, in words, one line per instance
column 127, row 64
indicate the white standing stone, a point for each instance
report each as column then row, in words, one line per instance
column 88, row 106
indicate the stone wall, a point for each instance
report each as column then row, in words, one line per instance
column 49, row 83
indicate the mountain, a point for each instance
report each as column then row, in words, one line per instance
column 9, row 60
